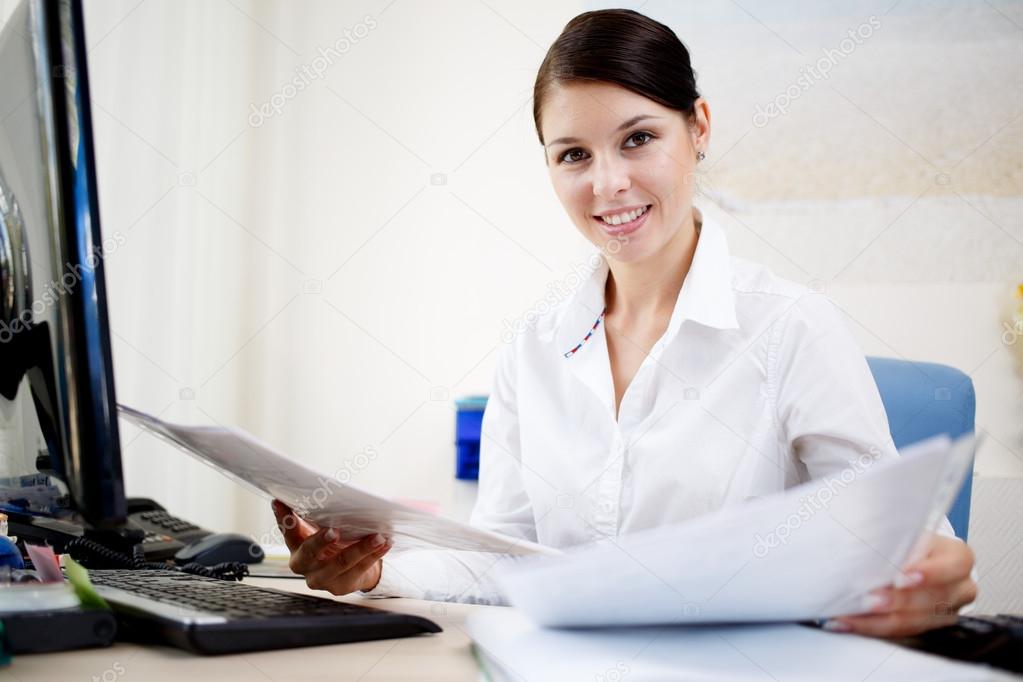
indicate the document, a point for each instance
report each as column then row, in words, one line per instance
column 511, row 647
column 813, row 551
column 323, row 499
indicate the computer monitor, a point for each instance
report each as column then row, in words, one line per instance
column 58, row 411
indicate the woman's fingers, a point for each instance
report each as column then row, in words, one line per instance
column 321, row 546
column 949, row 561
column 295, row 529
column 899, row 624
column 926, row 600
column 370, row 559
column 364, row 568
column 345, row 571
column 350, row 557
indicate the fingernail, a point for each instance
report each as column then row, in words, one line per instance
column 330, row 535
column 909, row 579
column 377, row 540
column 876, row 602
column 833, row 625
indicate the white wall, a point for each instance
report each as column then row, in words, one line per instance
column 306, row 279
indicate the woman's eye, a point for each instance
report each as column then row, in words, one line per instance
column 572, row 156
column 640, row 138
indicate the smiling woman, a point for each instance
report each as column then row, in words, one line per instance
column 712, row 381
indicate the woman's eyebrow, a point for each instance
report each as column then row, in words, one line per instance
column 631, row 122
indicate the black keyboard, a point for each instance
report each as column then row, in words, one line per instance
column 994, row 640
column 210, row 616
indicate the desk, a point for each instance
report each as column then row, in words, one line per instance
column 444, row 656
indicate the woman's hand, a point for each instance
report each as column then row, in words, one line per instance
column 934, row 590
column 327, row 562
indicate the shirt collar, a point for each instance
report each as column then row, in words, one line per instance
column 706, row 296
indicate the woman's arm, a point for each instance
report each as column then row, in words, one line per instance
column 830, row 414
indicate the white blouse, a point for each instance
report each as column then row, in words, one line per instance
column 756, row 386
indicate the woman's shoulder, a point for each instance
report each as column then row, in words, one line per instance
column 761, row 295
column 756, row 279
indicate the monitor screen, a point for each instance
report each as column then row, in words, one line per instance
column 59, row 446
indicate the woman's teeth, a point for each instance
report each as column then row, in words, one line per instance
column 620, row 218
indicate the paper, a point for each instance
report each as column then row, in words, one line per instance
column 812, row 551
column 511, row 647
column 45, row 562
column 323, row 499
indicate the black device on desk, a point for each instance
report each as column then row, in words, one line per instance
column 165, row 536
column 55, row 363
column 153, row 518
column 994, row 640
column 191, row 543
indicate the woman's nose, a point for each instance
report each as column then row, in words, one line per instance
column 610, row 176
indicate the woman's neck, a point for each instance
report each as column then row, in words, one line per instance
column 649, row 288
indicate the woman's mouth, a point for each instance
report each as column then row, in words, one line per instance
column 625, row 222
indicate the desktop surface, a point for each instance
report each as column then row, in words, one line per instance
column 443, row 656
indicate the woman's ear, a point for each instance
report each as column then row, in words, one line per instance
column 700, row 125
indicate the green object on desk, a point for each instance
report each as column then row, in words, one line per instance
column 79, row 579
column 481, row 662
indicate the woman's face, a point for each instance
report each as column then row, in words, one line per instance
column 622, row 165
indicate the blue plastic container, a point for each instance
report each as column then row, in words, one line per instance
column 10, row 555
column 468, row 421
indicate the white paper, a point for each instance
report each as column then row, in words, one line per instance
column 323, row 499
column 511, row 647
column 812, row 551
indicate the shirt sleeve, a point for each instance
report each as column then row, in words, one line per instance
column 828, row 405
column 502, row 506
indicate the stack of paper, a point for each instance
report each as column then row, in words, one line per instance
column 812, row 551
column 511, row 647
column 322, row 499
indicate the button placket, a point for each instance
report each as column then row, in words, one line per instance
column 610, row 487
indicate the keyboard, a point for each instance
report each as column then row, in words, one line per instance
column 994, row 640
column 210, row 616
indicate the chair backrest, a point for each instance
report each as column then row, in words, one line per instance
column 925, row 399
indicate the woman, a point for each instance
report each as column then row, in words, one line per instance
column 675, row 381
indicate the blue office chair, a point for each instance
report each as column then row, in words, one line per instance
column 925, row 399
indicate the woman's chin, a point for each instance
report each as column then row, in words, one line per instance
column 623, row 249
column 627, row 256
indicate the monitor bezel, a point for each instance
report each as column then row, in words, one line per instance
column 89, row 437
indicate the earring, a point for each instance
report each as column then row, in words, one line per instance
column 700, row 156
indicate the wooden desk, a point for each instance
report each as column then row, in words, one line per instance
column 444, row 656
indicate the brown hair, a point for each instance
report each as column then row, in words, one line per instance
column 623, row 47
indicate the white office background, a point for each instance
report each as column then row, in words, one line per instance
column 329, row 266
